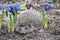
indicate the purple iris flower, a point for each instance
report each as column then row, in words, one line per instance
column 9, row 8
column 47, row 6
column 1, row 7
column 17, row 7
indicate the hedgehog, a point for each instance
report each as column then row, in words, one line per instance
column 28, row 21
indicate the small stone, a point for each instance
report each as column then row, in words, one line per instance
column 16, row 36
column 9, row 39
column 18, row 39
column 41, row 30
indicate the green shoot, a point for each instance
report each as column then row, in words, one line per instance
column 9, row 29
column 9, row 23
column 0, row 19
column 13, row 22
column 44, row 19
